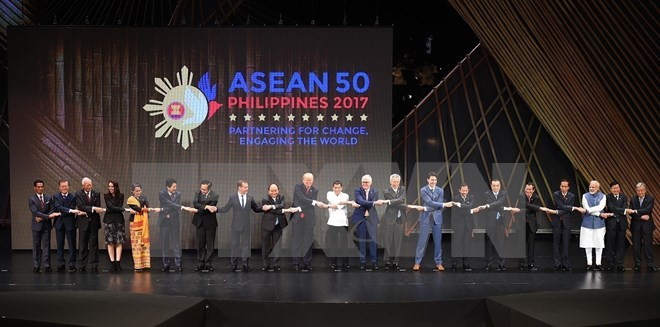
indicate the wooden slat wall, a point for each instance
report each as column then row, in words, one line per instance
column 589, row 72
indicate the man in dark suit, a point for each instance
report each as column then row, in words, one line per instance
column 462, row 223
column 303, row 223
column 496, row 222
column 205, row 221
column 65, row 225
column 564, row 202
column 642, row 227
column 532, row 206
column 365, row 217
column 41, row 208
column 88, row 200
column 170, row 224
column 616, row 224
column 392, row 222
column 272, row 223
column 240, row 204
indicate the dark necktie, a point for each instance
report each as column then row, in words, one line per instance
column 89, row 197
column 41, row 198
column 243, row 201
column 308, row 188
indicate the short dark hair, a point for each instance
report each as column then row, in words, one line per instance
column 565, row 180
column 62, row 181
column 337, row 182
column 271, row 184
column 614, row 182
column 431, row 174
column 135, row 185
column 206, row 182
column 37, row 181
column 169, row 182
column 240, row 183
column 532, row 184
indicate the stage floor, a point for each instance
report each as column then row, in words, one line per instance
column 323, row 285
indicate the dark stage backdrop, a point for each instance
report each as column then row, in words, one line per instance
column 141, row 105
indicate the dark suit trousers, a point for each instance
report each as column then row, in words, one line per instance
column 461, row 243
column 303, row 240
column 530, row 240
column 205, row 245
column 89, row 244
column 615, row 245
column 639, row 236
column 366, row 233
column 392, row 235
column 41, row 247
column 270, row 246
column 561, row 237
column 494, row 239
column 70, row 235
column 240, row 245
column 171, row 244
column 337, row 238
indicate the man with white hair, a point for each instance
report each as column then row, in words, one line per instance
column 642, row 227
column 592, row 231
column 365, row 217
column 88, row 200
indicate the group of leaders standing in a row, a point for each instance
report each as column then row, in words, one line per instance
column 604, row 224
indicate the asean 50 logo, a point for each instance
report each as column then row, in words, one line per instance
column 184, row 107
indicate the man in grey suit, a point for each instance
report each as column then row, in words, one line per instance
column 240, row 203
column 392, row 222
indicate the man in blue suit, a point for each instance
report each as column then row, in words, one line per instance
column 431, row 221
column 366, row 219
column 65, row 225
column 42, row 214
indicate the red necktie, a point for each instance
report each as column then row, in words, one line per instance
column 308, row 190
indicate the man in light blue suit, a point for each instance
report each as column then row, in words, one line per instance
column 431, row 221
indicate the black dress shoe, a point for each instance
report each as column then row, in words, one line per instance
column 609, row 267
column 166, row 269
column 72, row 269
column 556, row 268
column 82, row 269
column 388, row 265
column 374, row 266
column 521, row 267
column 566, row 268
column 179, row 268
column 395, row 266
column 621, row 268
column 362, row 266
column 598, row 268
column 637, row 268
column 651, row 269
column 467, row 268
column 305, row 268
column 533, row 268
column 488, row 268
column 36, row 270
column 48, row 269
column 245, row 268
column 501, row 268
column 233, row 268
column 333, row 267
column 265, row 268
column 590, row 268
column 209, row 267
column 60, row 268
column 296, row 267
column 95, row 269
